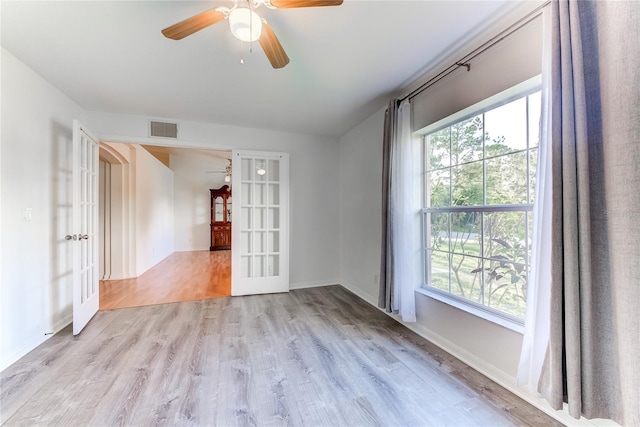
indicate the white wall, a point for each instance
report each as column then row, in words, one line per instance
column 35, row 259
column 360, row 206
column 314, row 182
column 139, row 194
column 192, row 215
column 154, row 210
column 192, row 202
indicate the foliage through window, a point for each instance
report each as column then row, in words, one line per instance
column 479, row 188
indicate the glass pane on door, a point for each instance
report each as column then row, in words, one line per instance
column 260, row 203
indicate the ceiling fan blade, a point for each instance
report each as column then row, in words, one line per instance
column 272, row 47
column 287, row 4
column 191, row 25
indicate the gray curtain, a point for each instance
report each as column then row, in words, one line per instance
column 593, row 358
column 385, row 295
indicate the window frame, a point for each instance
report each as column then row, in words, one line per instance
column 503, row 318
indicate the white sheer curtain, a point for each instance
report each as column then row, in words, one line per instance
column 404, row 211
column 537, row 326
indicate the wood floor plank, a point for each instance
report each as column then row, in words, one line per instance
column 312, row 357
column 182, row 276
column 49, row 363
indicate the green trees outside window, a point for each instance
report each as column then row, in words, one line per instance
column 479, row 188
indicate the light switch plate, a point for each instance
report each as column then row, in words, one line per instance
column 27, row 214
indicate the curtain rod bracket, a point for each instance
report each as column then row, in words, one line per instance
column 464, row 64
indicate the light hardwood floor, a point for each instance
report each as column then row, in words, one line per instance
column 182, row 276
column 316, row 357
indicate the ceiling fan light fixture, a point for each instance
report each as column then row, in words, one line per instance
column 245, row 24
column 261, row 170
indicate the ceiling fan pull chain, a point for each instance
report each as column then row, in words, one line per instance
column 241, row 52
column 251, row 27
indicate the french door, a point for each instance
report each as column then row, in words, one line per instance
column 85, row 225
column 260, row 223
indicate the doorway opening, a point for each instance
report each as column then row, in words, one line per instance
column 155, row 221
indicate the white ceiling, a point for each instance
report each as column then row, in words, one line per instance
column 346, row 61
column 202, row 168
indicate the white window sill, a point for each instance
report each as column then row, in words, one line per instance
column 472, row 309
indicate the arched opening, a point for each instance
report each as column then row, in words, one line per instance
column 117, row 243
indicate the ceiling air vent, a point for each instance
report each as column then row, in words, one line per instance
column 163, row 129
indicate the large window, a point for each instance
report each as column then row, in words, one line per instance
column 479, row 172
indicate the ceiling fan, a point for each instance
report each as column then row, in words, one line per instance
column 226, row 171
column 246, row 24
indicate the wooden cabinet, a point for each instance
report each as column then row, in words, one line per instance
column 220, row 218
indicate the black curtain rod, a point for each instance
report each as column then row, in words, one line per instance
column 464, row 62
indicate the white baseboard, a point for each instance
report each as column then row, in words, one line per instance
column 62, row 323
column 486, row 369
column 304, row 285
column 32, row 343
column 21, row 351
column 371, row 299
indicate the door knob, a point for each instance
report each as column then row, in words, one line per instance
column 70, row 237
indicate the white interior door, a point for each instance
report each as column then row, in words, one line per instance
column 260, row 223
column 85, row 227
